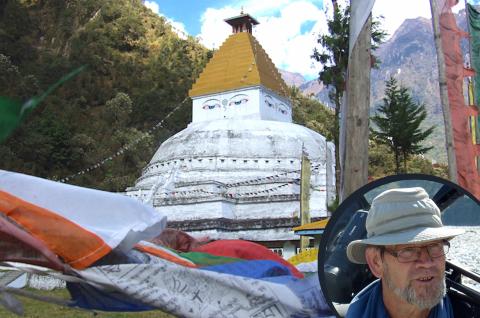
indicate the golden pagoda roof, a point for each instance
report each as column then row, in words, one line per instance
column 239, row 62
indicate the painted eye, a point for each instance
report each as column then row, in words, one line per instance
column 238, row 100
column 269, row 101
column 283, row 109
column 211, row 104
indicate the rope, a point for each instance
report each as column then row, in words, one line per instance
column 124, row 148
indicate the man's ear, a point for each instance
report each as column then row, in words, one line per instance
column 374, row 261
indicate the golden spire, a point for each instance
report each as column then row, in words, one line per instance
column 239, row 62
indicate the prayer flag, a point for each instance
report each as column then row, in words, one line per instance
column 13, row 112
column 474, row 23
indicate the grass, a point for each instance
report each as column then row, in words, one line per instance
column 38, row 309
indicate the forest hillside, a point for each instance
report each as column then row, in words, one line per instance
column 137, row 71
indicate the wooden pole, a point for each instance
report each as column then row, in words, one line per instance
column 442, row 82
column 305, row 199
column 356, row 115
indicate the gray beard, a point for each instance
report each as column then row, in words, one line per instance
column 409, row 295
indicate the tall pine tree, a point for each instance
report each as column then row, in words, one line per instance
column 398, row 123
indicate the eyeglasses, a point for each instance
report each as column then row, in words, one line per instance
column 412, row 254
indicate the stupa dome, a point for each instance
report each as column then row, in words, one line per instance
column 251, row 165
column 241, row 139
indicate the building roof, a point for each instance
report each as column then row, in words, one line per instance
column 311, row 228
column 241, row 18
column 240, row 62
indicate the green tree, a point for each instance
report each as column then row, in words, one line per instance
column 380, row 160
column 398, row 123
column 13, row 83
column 381, row 163
column 309, row 112
column 333, row 55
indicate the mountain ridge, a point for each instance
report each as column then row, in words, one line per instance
column 409, row 55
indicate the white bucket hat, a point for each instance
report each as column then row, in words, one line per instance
column 401, row 216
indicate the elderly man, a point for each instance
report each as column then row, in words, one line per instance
column 405, row 248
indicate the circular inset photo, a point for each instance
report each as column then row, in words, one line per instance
column 404, row 243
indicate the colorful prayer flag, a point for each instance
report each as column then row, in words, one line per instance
column 102, row 236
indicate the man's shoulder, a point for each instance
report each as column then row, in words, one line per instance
column 368, row 303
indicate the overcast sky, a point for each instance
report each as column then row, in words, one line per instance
column 288, row 28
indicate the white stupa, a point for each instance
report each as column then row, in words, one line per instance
column 234, row 172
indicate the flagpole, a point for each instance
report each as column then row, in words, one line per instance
column 355, row 119
column 304, row 198
column 442, row 82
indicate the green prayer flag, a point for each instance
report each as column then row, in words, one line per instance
column 205, row 259
column 477, row 130
column 12, row 112
column 10, row 116
column 474, row 22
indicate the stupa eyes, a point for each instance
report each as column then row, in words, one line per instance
column 211, row 104
column 283, row 109
column 238, row 100
column 269, row 101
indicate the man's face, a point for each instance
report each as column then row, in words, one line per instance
column 420, row 283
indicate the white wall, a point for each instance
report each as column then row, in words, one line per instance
column 274, row 107
column 248, row 103
column 240, row 103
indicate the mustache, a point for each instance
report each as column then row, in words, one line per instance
column 428, row 273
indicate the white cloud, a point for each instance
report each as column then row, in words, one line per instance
column 279, row 31
column 214, row 30
column 178, row 27
column 152, row 5
column 290, row 49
